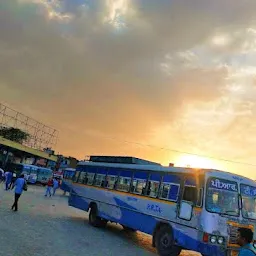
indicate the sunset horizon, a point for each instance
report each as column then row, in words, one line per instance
column 149, row 79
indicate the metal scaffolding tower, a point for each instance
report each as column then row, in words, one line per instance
column 40, row 135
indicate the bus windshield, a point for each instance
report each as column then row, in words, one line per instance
column 222, row 197
column 249, row 201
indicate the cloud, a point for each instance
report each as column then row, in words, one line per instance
column 125, row 69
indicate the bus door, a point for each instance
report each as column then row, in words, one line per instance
column 26, row 172
column 189, row 206
column 43, row 175
column 33, row 175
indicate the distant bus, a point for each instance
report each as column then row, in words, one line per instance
column 68, row 175
column 34, row 173
column 182, row 208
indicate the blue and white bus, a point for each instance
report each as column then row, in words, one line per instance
column 34, row 174
column 182, row 208
column 68, row 175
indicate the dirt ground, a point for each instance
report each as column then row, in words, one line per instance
column 47, row 226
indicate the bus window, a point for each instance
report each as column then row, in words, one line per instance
column 100, row 180
column 112, row 178
column 165, row 188
column 170, row 187
column 76, row 176
column 139, row 183
column 111, row 181
column 169, row 191
column 82, row 178
column 26, row 170
column 124, row 181
column 153, row 185
column 100, row 177
column 90, row 177
column 67, row 174
column 33, row 171
column 190, row 194
column 139, row 186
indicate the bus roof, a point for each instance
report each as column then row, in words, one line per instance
column 69, row 169
column 160, row 168
column 121, row 160
column 31, row 165
column 147, row 167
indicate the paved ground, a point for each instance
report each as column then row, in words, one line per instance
column 47, row 226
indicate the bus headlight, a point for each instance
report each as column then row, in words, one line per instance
column 213, row 239
column 220, row 240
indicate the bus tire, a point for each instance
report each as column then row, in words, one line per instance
column 94, row 219
column 164, row 241
column 127, row 229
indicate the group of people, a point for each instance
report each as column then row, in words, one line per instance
column 20, row 184
column 52, row 186
column 8, row 177
column 12, row 181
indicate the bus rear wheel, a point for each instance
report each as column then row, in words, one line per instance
column 95, row 220
column 165, row 242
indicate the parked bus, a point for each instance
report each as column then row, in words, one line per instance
column 35, row 174
column 182, row 208
column 68, row 175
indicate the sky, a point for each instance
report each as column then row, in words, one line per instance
column 115, row 76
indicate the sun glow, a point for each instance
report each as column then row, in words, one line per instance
column 116, row 7
column 221, row 40
column 194, row 162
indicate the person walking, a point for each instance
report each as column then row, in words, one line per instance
column 49, row 187
column 55, row 186
column 14, row 177
column 8, row 180
column 20, row 185
column 245, row 237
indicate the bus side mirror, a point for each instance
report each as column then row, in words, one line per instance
column 185, row 210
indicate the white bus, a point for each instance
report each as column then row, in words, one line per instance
column 182, row 208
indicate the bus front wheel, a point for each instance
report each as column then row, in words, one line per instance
column 94, row 219
column 165, row 242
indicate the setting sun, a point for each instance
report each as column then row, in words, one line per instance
column 194, row 162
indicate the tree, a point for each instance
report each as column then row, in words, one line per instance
column 14, row 134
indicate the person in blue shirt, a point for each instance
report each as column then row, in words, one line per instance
column 8, row 179
column 19, row 185
column 245, row 238
column 55, row 186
